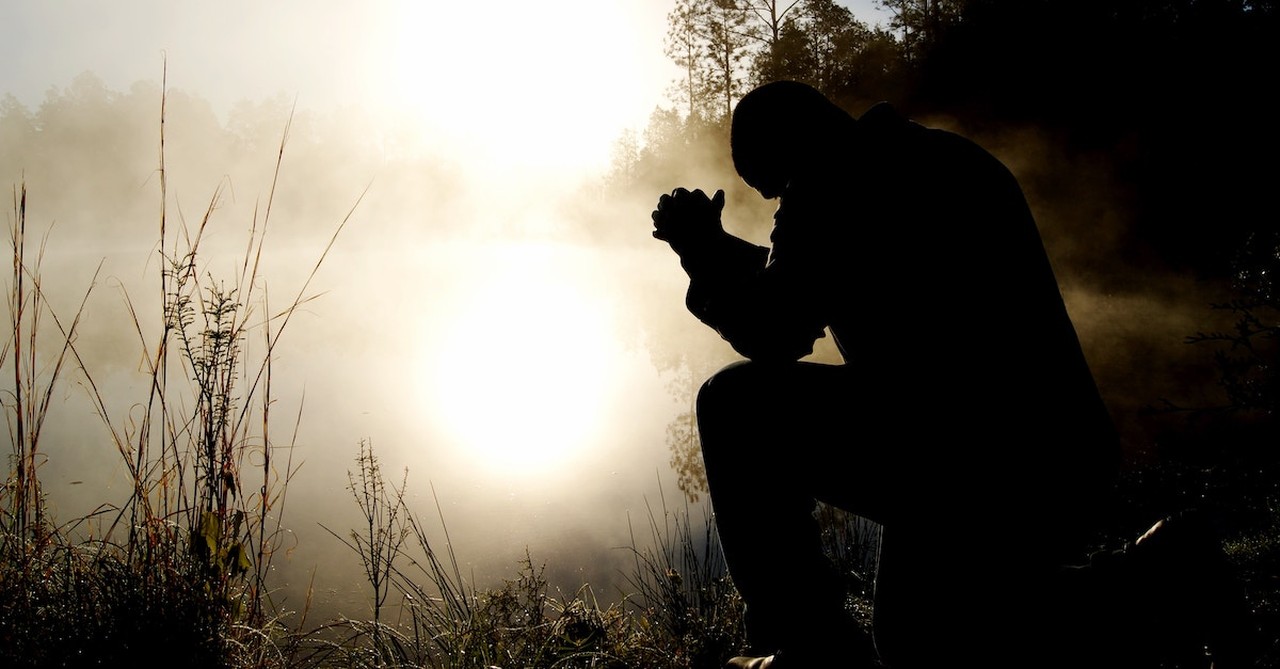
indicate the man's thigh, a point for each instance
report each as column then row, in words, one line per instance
column 804, row 426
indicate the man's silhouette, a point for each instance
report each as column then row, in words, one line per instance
column 964, row 419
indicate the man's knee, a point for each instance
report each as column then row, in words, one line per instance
column 728, row 391
column 762, row 394
column 724, row 404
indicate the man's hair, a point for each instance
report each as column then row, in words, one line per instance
column 781, row 114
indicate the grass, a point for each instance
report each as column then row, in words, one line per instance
column 165, row 572
column 682, row 611
column 684, row 592
column 678, row 610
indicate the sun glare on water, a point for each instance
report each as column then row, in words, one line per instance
column 521, row 369
column 526, row 100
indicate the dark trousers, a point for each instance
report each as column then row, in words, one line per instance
column 967, row 549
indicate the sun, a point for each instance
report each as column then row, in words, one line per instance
column 521, row 370
column 520, row 84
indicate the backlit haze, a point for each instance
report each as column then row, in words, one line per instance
column 465, row 323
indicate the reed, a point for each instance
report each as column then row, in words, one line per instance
column 178, row 572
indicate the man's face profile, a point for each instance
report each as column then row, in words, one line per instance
column 761, row 168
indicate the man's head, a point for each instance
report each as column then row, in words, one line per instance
column 778, row 129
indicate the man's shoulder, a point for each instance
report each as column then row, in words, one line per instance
column 885, row 127
column 882, row 113
column 883, row 119
column 886, row 132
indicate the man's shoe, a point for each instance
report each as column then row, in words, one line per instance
column 743, row 662
column 788, row 661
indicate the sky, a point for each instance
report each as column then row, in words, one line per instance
column 417, row 336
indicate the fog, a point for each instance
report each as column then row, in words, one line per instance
column 480, row 311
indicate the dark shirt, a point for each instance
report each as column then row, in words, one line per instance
column 917, row 249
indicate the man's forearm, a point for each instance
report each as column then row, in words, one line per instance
column 731, row 292
column 719, row 273
column 723, row 257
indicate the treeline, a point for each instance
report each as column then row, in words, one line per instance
column 97, row 148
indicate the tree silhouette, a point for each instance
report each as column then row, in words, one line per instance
column 921, row 22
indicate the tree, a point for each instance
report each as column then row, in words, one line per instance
column 684, row 48
column 17, row 124
column 709, row 40
column 825, row 46
column 788, row 56
column 836, row 40
column 727, row 38
column 625, row 158
column 921, row 21
column 768, row 18
column 781, row 48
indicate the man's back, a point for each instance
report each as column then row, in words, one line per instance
column 931, row 274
